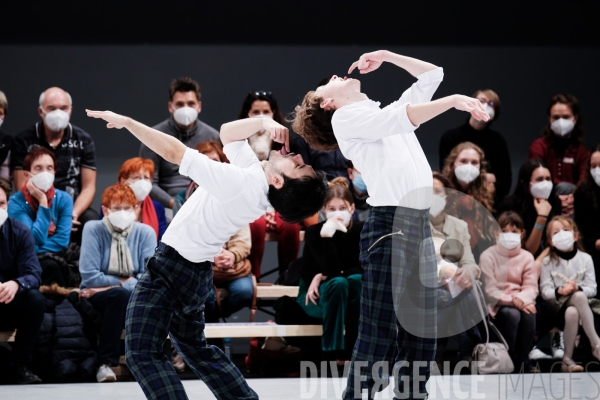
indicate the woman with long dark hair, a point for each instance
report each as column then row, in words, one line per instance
column 561, row 146
column 535, row 201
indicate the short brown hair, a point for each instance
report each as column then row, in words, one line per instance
column 313, row 123
column 511, row 218
column 34, row 154
column 5, row 185
column 184, row 84
column 118, row 193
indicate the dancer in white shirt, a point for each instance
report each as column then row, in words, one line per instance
column 169, row 297
column 383, row 146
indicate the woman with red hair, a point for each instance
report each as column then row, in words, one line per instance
column 114, row 252
column 137, row 172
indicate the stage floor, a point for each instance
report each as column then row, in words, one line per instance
column 528, row 386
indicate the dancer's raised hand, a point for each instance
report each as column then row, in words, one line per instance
column 368, row 62
column 279, row 133
column 114, row 120
column 471, row 105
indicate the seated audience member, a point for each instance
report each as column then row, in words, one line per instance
column 73, row 149
column 359, row 193
column 444, row 230
column 5, row 141
column 333, row 163
column 560, row 147
column 466, row 170
column 21, row 304
column 491, row 142
column 567, row 281
column 587, row 209
column 137, row 173
column 113, row 257
column 257, row 105
column 534, row 202
column 565, row 193
column 185, row 106
column 46, row 211
column 231, row 271
column 511, row 287
column 330, row 284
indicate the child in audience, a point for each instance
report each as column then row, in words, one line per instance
column 114, row 253
column 46, row 211
column 466, row 169
column 587, row 208
column 534, row 201
column 561, row 146
column 567, row 281
column 445, row 230
column 511, row 287
column 330, row 285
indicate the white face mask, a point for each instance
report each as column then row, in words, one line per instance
column 596, row 175
column 541, row 190
column 438, row 203
column 141, row 188
column 185, row 115
column 562, row 126
column 43, row 180
column 3, row 216
column 509, row 240
column 1, row 121
column 121, row 219
column 466, row 173
column 57, row 120
column 346, row 216
column 563, row 240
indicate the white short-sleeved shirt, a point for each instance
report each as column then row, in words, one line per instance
column 229, row 197
column 383, row 146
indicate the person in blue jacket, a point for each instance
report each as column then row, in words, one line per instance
column 46, row 211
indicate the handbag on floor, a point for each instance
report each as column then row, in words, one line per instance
column 494, row 357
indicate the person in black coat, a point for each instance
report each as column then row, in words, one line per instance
column 491, row 142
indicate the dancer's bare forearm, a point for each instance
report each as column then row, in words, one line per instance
column 413, row 66
column 423, row 112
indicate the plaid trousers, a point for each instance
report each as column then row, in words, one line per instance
column 169, row 300
column 381, row 337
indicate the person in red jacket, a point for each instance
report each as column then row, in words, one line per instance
column 561, row 146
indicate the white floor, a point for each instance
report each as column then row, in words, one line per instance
column 530, row 386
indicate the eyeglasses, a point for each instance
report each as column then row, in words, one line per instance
column 260, row 93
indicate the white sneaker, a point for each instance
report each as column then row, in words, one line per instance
column 105, row 374
column 537, row 354
column 557, row 345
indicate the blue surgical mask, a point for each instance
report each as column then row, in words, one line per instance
column 358, row 183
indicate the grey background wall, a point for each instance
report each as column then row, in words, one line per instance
column 133, row 80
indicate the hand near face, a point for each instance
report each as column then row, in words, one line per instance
column 472, row 106
column 279, row 133
column 37, row 193
column 542, row 206
column 368, row 62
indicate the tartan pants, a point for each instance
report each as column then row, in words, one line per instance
column 381, row 337
column 169, row 300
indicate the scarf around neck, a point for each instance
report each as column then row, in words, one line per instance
column 34, row 204
column 120, row 262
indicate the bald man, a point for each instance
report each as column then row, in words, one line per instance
column 74, row 151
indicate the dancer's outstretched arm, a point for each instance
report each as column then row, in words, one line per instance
column 423, row 112
column 371, row 61
column 162, row 144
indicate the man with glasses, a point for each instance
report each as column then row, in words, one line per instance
column 183, row 124
column 73, row 149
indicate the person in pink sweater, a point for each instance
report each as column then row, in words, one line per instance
column 511, row 286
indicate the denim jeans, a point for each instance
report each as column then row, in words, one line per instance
column 240, row 296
